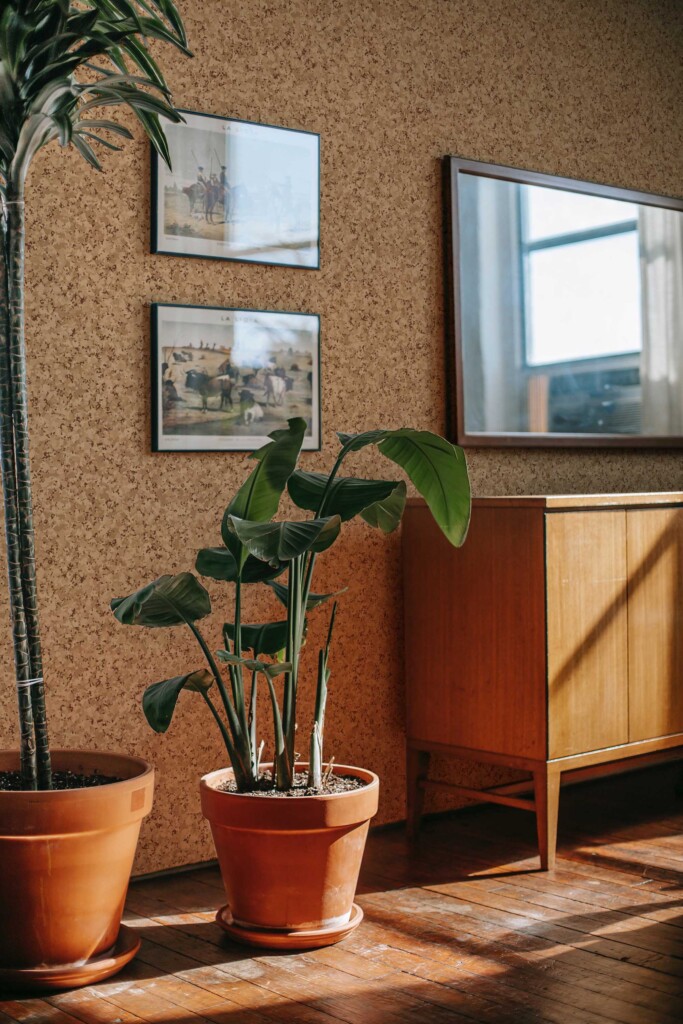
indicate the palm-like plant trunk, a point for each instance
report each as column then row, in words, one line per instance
column 16, row 482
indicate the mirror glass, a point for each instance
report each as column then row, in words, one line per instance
column 570, row 311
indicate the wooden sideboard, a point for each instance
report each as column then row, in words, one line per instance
column 550, row 642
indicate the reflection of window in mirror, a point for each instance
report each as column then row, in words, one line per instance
column 581, row 276
column 570, row 310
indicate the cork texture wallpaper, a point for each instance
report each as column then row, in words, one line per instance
column 585, row 88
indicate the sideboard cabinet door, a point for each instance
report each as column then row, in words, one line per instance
column 475, row 632
column 586, row 583
column 655, row 622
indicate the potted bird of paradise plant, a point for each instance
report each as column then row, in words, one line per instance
column 69, row 820
column 289, row 831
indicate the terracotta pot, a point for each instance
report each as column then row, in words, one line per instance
column 65, row 861
column 290, row 864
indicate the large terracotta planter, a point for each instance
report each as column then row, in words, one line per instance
column 289, row 864
column 65, row 863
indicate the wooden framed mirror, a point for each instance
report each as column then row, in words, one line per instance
column 565, row 311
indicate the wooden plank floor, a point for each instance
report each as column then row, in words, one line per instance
column 463, row 929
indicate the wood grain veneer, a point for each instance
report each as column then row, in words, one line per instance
column 551, row 641
column 655, row 611
column 587, row 643
column 475, row 629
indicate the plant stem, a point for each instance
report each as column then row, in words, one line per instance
column 236, row 674
column 238, row 738
column 252, row 724
column 318, row 731
column 232, row 754
column 308, row 578
column 22, row 662
column 295, row 622
column 284, row 769
column 17, row 359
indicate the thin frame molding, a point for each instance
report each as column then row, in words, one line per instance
column 452, row 166
column 154, row 376
column 156, row 251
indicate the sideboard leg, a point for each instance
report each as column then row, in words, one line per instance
column 547, row 800
column 417, row 768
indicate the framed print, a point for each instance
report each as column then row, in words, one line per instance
column 223, row 379
column 238, row 191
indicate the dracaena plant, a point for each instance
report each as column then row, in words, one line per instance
column 61, row 65
column 257, row 549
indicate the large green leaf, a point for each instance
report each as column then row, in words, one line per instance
column 282, row 541
column 281, row 591
column 379, row 502
column 259, row 496
column 159, row 699
column 220, row 564
column 346, row 496
column 436, row 467
column 168, row 601
column 386, row 514
column 264, row 638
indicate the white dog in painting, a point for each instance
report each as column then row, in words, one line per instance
column 253, row 414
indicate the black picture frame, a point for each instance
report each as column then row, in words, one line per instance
column 251, row 199
column 205, row 402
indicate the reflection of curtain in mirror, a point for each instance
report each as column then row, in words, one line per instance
column 491, row 313
column 660, row 234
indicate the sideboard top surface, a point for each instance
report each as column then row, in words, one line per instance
column 565, row 502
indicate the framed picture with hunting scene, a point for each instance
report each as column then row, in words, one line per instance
column 238, row 191
column 223, row 379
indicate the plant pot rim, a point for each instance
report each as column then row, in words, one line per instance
column 255, row 812
column 83, row 792
column 211, row 780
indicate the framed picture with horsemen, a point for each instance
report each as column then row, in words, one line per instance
column 224, row 378
column 238, row 191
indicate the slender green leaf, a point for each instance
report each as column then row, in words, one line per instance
column 159, row 700
column 37, row 131
column 167, row 601
column 108, row 126
column 95, row 138
column 157, row 135
column 86, row 151
column 139, row 53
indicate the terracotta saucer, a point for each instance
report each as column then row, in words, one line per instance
column 45, row 979
column 312, row 939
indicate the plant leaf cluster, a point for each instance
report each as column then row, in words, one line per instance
column 257, row 548
column 63, row 63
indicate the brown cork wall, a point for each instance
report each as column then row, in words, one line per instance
column 584, row 88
